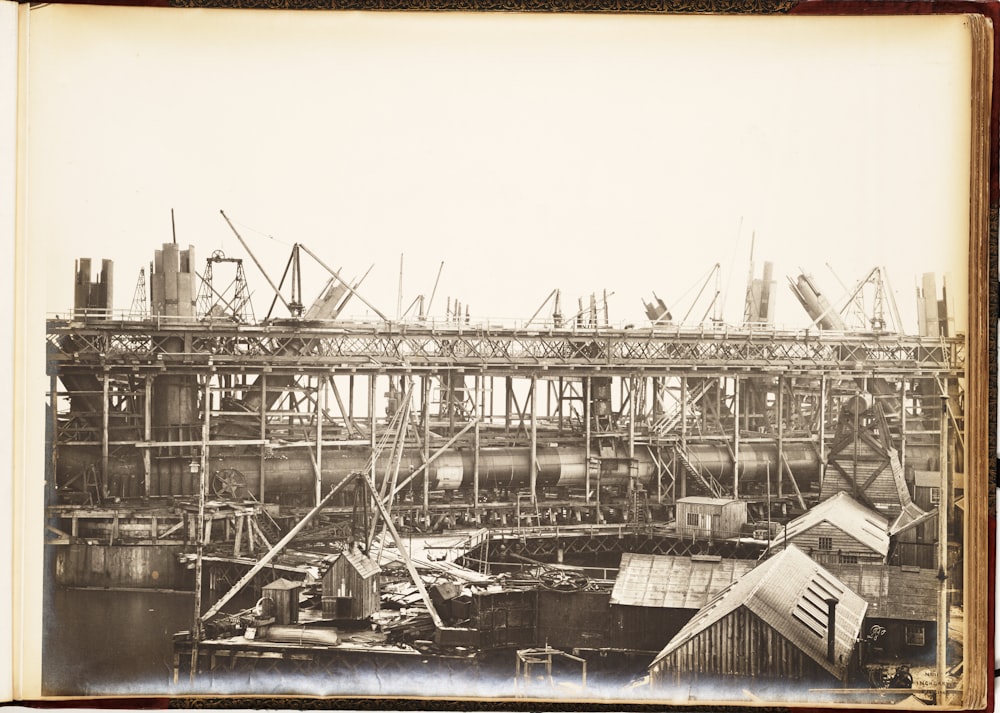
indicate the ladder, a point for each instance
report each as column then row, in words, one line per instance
column 638, row 507
column 92, row 485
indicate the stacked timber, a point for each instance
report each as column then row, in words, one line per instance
column 417, row 625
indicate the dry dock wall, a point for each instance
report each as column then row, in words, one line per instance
column 120, row 567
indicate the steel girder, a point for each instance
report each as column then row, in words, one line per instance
column 381, row 346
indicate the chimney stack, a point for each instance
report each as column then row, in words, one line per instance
column 831, row 629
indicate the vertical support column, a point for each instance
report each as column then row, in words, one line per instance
column 200, row 528
column 425, row 409
column 147, row 434
column 902, row 424
column 263, row 435
column 534, row 441
column 586, row 438
column 320, row 408
column 350, row 398
column 633, row 468
column 736, row 436
column 509, row 403
column 944, row 508
column 559, row 402
column 659, row 475
column 371, row 426
column 479, row 405
column 684, row 420
column 54, row 426
column 599, row 516
column 822, row 428
column 104, row 429
column 631, row 417
column 680, row 485
column 452, row 376
column 491, row 391
column 718, row 405
column 781, row 436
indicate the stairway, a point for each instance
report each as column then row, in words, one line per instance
column 268, row 528
column 709, row 481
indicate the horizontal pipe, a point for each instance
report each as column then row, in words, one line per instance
column 290, row 471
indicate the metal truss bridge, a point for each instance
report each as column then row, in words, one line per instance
column 298, row 347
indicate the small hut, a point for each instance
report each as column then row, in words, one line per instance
column 709, row 518
column 351, row 587
column 285, row 595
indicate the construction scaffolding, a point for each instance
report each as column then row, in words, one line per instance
column 288, row 408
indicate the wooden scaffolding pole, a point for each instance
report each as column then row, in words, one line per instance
column 533, row 475
column 197, row 630
column 147, row 432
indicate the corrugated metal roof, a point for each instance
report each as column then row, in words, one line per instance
column 364, row 566
column 846, row 514
column 788, row 593
column 673, row 582
column 892, row 592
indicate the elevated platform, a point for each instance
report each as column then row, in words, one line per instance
column 365, row 347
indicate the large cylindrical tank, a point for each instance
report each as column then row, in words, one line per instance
column 756, row 460
column 174, row 402
column 816, row 305
column 290, row 471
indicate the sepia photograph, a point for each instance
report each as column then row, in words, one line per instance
column 549, row 358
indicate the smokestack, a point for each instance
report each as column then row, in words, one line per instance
column 831, row 629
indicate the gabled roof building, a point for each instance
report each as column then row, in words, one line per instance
column 788, row 620
column 655, row 595
column 839, row 530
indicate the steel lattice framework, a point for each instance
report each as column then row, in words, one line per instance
column 370, row 347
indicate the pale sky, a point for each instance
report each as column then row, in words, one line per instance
column 527, row 152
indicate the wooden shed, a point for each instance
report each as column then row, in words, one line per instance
column 901, row 600
column 838, row 530
column 351, row 587
column 787, row 620
column 285, row 595
column 655, row 595
column 710, row 518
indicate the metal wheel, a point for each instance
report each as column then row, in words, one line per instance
column 230, row 483
column 265, row 607
column 561, row 580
